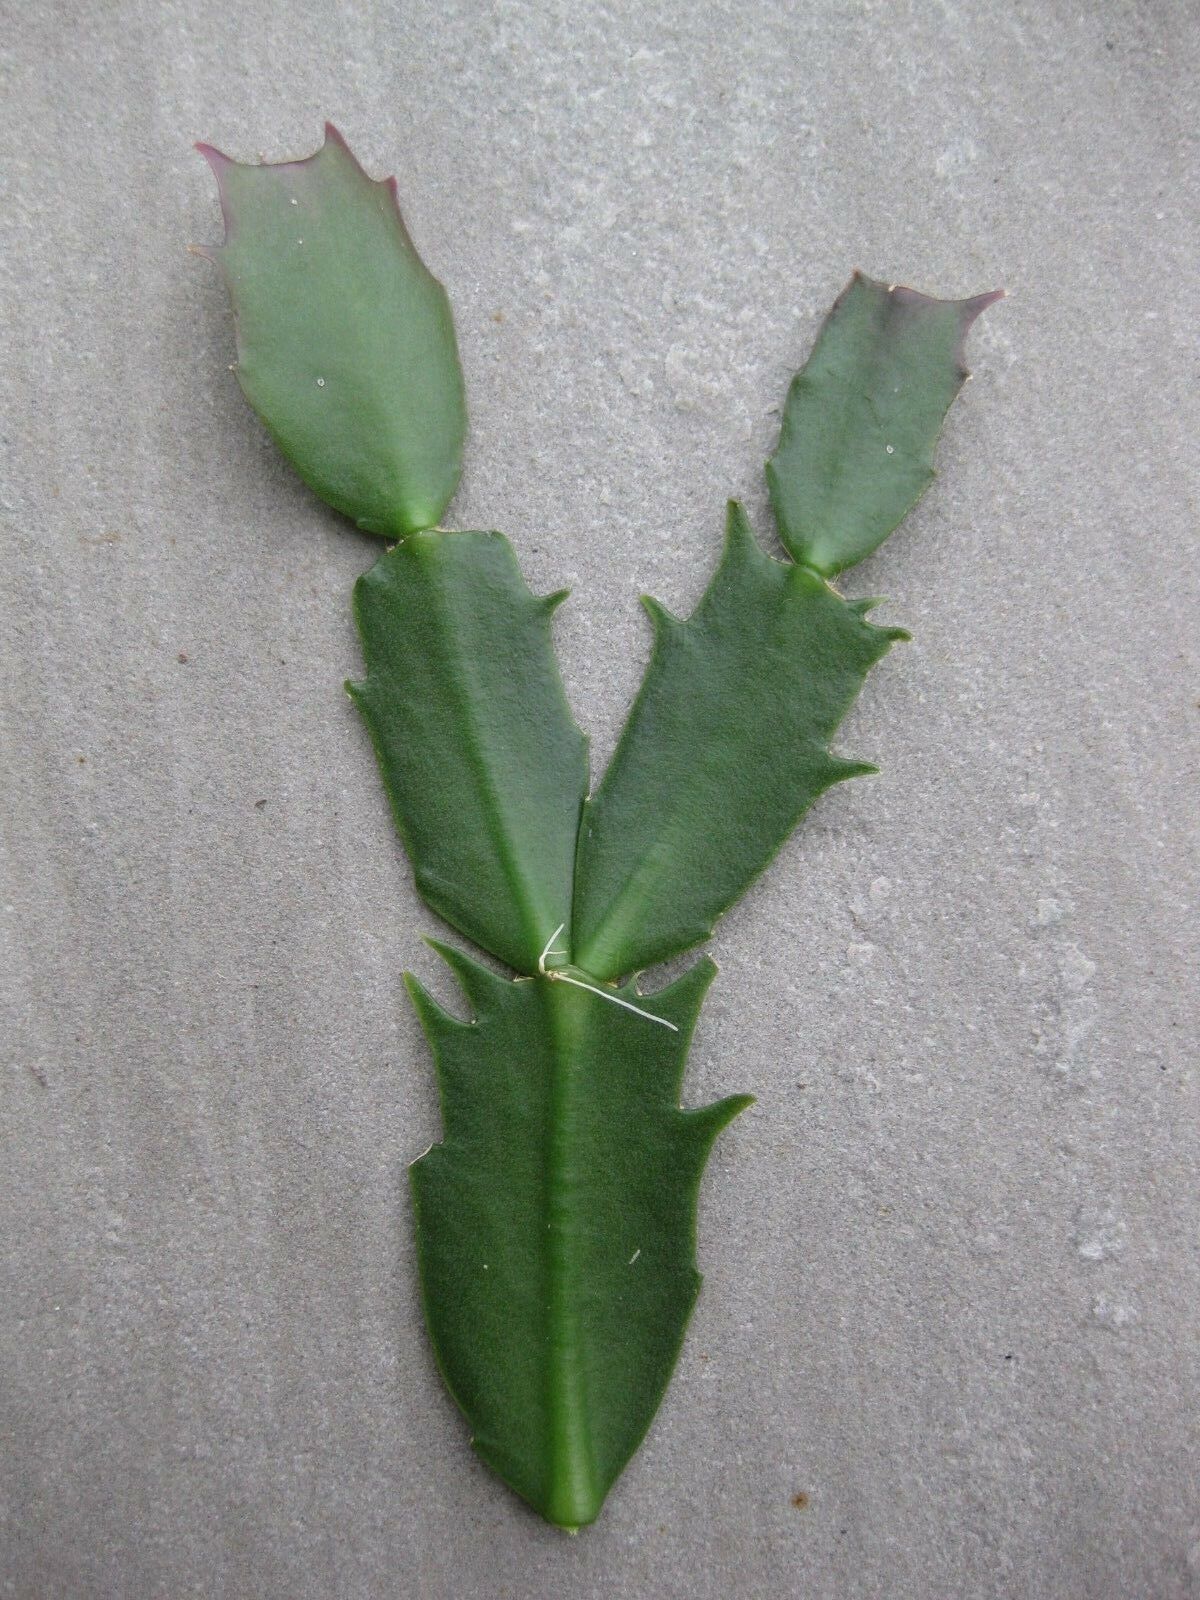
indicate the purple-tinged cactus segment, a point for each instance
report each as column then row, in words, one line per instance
column 855, row 452
column 345, row 340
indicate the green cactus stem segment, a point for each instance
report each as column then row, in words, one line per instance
column 345, row 340
column 483, row 763
column 855, row 451
column 725, row 749
column 556, row 1222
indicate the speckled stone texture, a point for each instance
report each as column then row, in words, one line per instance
column 953, row 1288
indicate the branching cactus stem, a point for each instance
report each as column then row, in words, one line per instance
column 556, row 1220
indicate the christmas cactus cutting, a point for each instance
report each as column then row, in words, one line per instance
column 556, row 1219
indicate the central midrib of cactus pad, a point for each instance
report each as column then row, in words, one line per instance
column 556, row 1222
column 726, row 747
column 484, row 766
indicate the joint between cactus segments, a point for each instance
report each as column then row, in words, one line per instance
column 556, row 975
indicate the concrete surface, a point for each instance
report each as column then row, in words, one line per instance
column 953, row 1290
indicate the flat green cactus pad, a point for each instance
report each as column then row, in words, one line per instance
column 345, row 340
column 556, row 1222
column 855, row 452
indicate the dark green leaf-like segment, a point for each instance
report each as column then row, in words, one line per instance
column 484, row 766
column 726, row 747
column 345, row 340
column 556, row 1222
column 855, row 451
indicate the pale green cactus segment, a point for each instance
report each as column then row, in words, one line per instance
column 345, row 341
column 855, row 451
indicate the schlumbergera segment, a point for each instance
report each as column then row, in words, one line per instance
column 345, row 342
column 556, row 1220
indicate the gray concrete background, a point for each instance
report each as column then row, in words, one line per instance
column 953, row 1290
